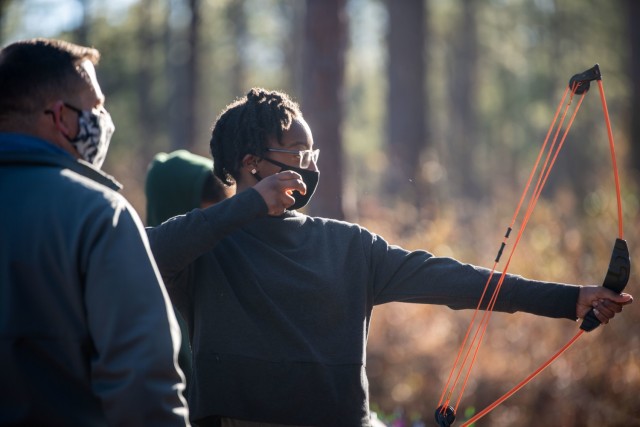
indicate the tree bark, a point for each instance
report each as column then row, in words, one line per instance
column 322, row 97
column 144, row 81
column 406, row 101
column 183, row 70
column 462, row 86
column 238, row 21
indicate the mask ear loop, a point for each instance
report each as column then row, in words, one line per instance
column 56, row 115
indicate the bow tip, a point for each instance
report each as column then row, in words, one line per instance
column 445, row 416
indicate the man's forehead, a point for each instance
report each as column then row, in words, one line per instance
column 88, row 67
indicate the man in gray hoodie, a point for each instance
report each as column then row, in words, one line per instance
column 87, row 335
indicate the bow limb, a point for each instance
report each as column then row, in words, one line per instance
column 619, row 269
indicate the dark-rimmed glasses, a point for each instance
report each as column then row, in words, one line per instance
column 305, row 156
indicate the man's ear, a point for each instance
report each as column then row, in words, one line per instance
column 61, row 118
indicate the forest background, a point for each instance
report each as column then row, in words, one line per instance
column 429, row 115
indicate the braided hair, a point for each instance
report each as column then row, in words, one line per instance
column 245, row 126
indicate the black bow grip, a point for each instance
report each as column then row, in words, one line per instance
column 616, row 279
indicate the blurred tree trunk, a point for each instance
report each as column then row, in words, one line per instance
column 238, row 21
column 462, row 87
column 81, row 32
column 574, row 159
column 147, row 109
column 192, row 67
column 406, row 101
column 4, row 5
column 294, row 13
column 183, row 59
column 322, row 97
column 633, row 16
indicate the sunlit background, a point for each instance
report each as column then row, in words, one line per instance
column 429, row 115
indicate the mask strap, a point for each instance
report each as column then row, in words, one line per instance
column 257, row 176
column 282, row 165
column 56, row 117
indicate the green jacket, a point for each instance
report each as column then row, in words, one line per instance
column 173, row 187
column 174, row 184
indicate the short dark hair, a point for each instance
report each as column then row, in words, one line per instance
column 245, row 126
column 37, row 71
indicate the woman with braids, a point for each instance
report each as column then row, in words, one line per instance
column 279, row 303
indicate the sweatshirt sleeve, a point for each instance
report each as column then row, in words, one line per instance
column 179, row 241
column 420, row 277
column 131, row 323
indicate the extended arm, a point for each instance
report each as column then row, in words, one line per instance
column 420, row 277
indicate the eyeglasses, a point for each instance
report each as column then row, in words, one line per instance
column 305, row 156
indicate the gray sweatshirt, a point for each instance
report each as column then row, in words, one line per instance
column 279, row 307
column 86, row 329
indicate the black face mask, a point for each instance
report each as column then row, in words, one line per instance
column 309, row 177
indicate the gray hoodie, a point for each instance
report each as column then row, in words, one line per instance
column 86, row 331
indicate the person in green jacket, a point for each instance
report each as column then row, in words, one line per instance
column 177, row 183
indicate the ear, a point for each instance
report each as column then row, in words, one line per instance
column 62, row 119
column 250, row 162
column 248, row 173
